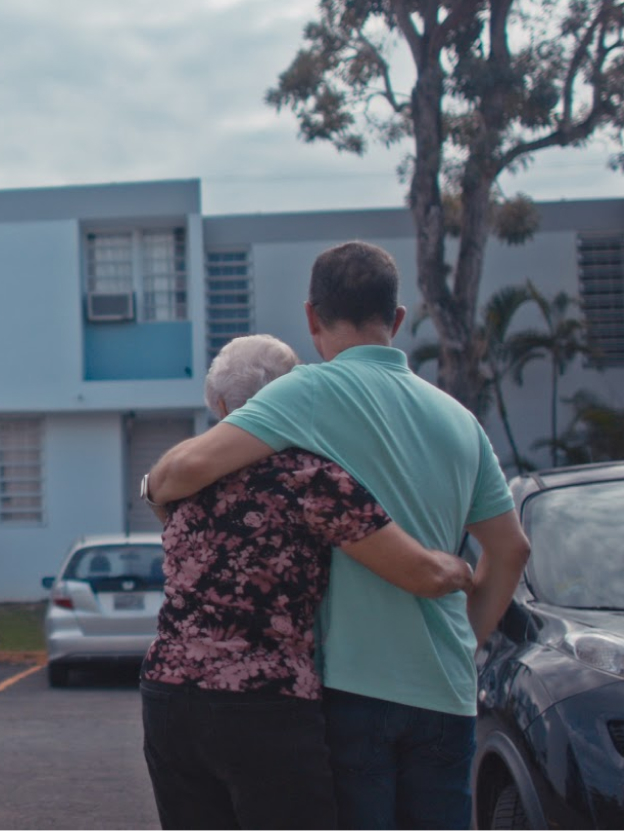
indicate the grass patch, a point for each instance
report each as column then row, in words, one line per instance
column 21, row 627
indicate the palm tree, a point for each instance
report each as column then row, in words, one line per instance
column 595, row 432
column 563, row 340
column 495, row 361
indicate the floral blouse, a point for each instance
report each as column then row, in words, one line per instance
column 246, row 563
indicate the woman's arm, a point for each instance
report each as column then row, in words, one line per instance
column 400, row 559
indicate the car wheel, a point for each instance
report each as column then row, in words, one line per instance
column 509, row 812
column 58, row 675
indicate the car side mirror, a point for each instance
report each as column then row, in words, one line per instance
column 46, row 583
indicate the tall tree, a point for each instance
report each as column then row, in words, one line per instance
column 491, row 83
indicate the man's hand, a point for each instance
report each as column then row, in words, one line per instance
column 401, row 560
column 505, row 552
column 202, row 460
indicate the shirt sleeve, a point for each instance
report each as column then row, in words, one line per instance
column 282, row 413
column 337, row 508
column 491, row 495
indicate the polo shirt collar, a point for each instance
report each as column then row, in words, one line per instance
column 372, row 352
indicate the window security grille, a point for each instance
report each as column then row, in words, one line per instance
column 601, row 276
column 151, row 262
column 109, row 263
column 164, row 275
column 228, row 298
column 21, row 471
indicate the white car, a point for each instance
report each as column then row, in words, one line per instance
column 104, row 603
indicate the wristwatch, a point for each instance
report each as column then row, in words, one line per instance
column 145, row 492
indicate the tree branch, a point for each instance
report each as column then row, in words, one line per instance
column 409, row 31
column 499, row 49
column 575, row 65
column 464, row 10
column 558, row 138
column 385, row 74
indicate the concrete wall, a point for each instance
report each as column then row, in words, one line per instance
column 40, row 315
column 42, row 324
column 83, row 493
column 285, row 246
column 281, row 285
column 42, row 329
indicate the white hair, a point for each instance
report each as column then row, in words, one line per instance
column 243, row 367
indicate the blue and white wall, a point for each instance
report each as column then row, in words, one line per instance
column 83, row 380
column 285, row 246
column 98, row 388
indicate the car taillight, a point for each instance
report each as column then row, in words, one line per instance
column 65, row 603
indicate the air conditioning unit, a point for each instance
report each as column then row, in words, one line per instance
column 104, row 306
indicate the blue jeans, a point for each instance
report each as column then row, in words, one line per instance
column 397, row 766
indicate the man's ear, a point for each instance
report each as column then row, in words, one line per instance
column 313, row 319
column 399, row 317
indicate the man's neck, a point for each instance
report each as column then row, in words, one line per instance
column 343, row 337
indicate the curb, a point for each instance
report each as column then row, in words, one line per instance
column 38, row 657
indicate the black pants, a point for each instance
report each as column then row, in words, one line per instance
column 236, row 760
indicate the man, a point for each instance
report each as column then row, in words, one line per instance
column 399, row 673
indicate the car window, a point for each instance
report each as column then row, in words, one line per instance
column 115, row 561
column 576, row 537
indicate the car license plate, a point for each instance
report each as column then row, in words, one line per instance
column 129, row 601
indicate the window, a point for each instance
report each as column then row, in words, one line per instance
column 21, row 471
column 109, row 263
column 228, row 298
column 164, row 275
column 601, row 275
column 151, row 262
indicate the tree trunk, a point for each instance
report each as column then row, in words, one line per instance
column 553, row 413
column 504, row 417
column 452, row 311
column 458, row 370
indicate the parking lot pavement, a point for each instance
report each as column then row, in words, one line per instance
column 8, row 670
column 14, row 667
column 72, row 758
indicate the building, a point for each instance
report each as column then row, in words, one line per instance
column 114, row 298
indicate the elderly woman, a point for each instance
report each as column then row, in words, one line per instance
column 234, row 734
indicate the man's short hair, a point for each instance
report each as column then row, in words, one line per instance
column 243, row 367
column 355, row 282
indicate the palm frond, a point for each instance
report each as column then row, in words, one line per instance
column 500, row 310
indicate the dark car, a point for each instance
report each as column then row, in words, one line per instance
column 550, row 728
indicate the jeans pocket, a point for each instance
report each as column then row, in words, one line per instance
column 455, row 742
column 355, row 729
column 156, row 704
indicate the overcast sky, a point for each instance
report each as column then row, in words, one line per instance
column 122, row 90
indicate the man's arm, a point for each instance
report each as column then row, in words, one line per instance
column 505, row 551
column 400, row 559
column 195, row 463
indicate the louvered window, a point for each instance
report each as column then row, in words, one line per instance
column 229, row 298
column 21, row 471
column 601, row 275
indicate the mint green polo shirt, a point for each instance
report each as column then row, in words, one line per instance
column 429, row 463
